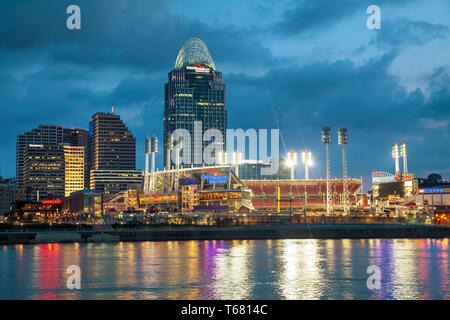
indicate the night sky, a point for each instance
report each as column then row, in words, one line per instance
column 316, row 60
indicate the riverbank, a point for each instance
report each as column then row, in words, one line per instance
column 291, row 231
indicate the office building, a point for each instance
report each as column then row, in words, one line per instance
column 194, row 92
column 45, row 135
column 111, row 154
column 115, row 181
column 44, row 171
column 74, row 158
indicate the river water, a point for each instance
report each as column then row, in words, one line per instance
column 252, row 269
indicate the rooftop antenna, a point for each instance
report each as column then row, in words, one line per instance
column 112, row 108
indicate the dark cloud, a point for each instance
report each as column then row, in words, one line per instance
column 366, row 99
column 404, row 31
column 312, row 15
column 139, row 34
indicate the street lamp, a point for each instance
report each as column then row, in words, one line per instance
column 291, row 161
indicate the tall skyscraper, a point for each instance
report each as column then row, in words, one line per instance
column 111, row 154
column 194, row 92
column 45, row 135
column 111, row 146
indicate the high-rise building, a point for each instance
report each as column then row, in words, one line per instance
column 111, row 146
column 45, row 135
column 111, row 150
column 78, row 138
column 75, row 137
column 74, row 158
column 44, row 171
column 194, row 92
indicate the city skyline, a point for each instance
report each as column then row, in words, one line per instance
column 353, row 83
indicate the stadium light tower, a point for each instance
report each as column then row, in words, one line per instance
column 147, row 151
column 154, row 150
column 291, row 161
column 343, row 140
column 326, row 140
column 403, row 154
column 307, row 162
column 396, row 156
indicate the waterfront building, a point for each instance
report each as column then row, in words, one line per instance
column 74, row 157
column 194, row 92
column 44, row 171
column 199, row 190
column 111, row 154
column 87, row 202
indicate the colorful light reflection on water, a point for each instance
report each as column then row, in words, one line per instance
column 259, row 269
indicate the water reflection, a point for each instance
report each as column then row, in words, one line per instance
column 300, row 272
column 272, row 269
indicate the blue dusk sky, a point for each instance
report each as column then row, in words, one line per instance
column 314, row 59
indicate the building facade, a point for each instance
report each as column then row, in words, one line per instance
column 44, row 171
column 115, row 181
column 74, row 158
column 111, row 154
column 194, row 92
column 45, row 135
column 87, row 202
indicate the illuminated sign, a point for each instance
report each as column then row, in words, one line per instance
column 55, row 201
column 431, row 190
column 379, row 176
column 212, row 179
column 198, row 68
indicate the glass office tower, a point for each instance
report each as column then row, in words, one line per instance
column 194, row 92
